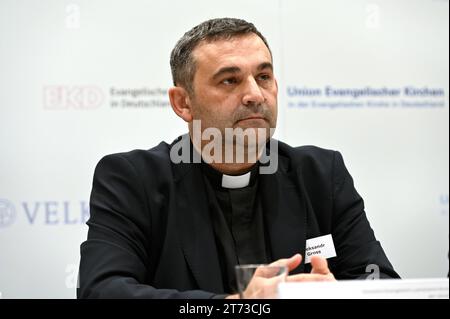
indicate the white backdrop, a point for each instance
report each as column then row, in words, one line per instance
column 82, row 79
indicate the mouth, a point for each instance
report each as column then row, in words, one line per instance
column 252, row 118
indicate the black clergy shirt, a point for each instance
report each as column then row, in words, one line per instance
column 238, row 223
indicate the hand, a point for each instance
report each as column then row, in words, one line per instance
column 264, row 283
column 319, row 272
column 263, row 287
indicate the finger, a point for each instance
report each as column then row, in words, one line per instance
column 269, row 271
column 310, row 277
column 261, row 288
column 291, row 263
column 319, row 265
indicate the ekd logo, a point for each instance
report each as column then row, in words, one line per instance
column 45, row 212
column 61, row 97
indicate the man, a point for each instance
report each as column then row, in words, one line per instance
column 174, row 221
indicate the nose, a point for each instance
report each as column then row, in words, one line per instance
column 252, row 93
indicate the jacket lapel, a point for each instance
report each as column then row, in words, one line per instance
column 285, row 213
column 195, row 227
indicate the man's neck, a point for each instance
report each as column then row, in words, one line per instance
column 232, row 168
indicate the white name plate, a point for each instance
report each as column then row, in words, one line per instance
column 436, row 288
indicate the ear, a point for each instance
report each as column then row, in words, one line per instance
column 181, row 104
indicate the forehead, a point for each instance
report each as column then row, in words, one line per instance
column 242, row 50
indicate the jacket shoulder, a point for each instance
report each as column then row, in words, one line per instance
column 308, row 155
column 151, row 165
column 157, row 155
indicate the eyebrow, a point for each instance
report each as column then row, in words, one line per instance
column 265, row 65
column 235, row 69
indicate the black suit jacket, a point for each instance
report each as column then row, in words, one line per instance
column 150, row 233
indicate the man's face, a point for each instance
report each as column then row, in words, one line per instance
column 234, row 84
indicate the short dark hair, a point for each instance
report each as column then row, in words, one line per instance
column 182, row 62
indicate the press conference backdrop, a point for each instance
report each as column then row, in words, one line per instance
column 82, row 79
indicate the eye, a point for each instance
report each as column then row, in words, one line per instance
column 264, row 77
column 229, row 81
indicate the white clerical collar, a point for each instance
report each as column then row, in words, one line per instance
column 239, row 181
